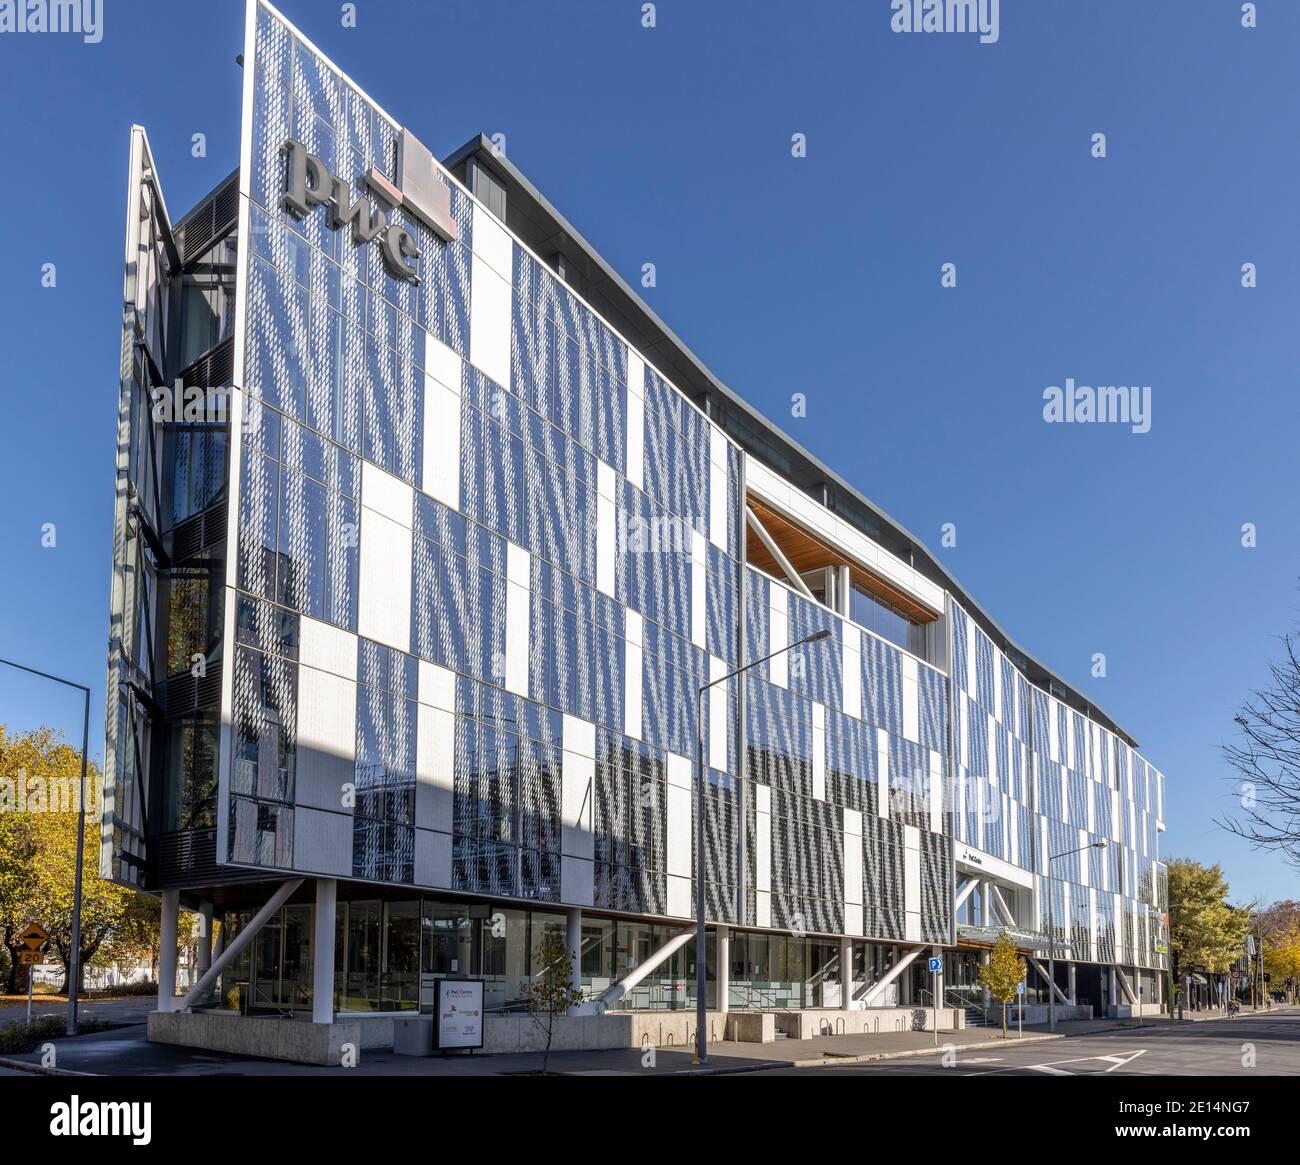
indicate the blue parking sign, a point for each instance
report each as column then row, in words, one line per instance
column 936, row 963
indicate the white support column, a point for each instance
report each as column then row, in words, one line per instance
column 573, row 944
column 722, row 966
column 846, row 973
column 1074, row 994
column 205, row 937
column 844, row 592
column 986, row 904
column 171, row 908
column 322, row 960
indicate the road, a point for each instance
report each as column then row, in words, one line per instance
column 132, row 1009
column 1250, row 1046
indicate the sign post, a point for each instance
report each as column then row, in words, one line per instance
column 34, row 938
column 936, row 968
column 1020, row 1009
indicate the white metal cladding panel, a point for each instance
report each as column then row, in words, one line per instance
column 384, row 586
column 435, row 767
column 491, row 299
column 322, row 842
column 327, row 648
column 778, row 634
column 518, row 638
column 577, row 792
column 818, row 751
column 432, row 858
column 440, row 476
column 436, row 686
column 678, row 834
column 577, row 880
column 327, row 735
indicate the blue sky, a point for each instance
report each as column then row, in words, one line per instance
column 817, row 275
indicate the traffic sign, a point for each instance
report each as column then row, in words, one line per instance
column 34, row 936
column 1020, row 987
column 30, row 958
column 936, row 963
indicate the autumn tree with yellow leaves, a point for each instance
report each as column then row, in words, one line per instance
column 40, row 778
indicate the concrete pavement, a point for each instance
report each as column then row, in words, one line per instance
column 1193, row 1049
column 1267, row 1044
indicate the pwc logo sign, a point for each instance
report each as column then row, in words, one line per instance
column 308, row 184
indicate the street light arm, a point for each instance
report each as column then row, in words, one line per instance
column 46, row 675
column 815, row 637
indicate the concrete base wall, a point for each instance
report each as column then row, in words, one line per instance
column 751, row 1027
column 1132, row 1011
column 1037, row 1013
column 804, row 1025
column 298, row 1041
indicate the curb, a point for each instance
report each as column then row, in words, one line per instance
column 39, row 1069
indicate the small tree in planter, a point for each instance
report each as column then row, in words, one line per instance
column 1001, row 975
column 551, row 991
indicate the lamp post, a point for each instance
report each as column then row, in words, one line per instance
column 1051, row 932
column 701, row 1010
column 74, row 962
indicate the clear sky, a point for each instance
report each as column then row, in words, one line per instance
column 817, row 275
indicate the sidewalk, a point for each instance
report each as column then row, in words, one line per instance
column 126, row 1052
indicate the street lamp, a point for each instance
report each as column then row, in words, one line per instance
column 701, row 1018
column 74, row 964
column 1051, row 932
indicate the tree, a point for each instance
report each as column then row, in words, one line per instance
column 1002, row 974
column 17, row 852
column 1279, row 926
column 1204, row 929
column 40, row 782
column 551, row 991
column 1267, row 759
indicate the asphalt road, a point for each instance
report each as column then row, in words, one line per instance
column 132, row 1009
column 1249, row 1046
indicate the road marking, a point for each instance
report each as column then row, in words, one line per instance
column 1051, row 1068
column 1120, row 1061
